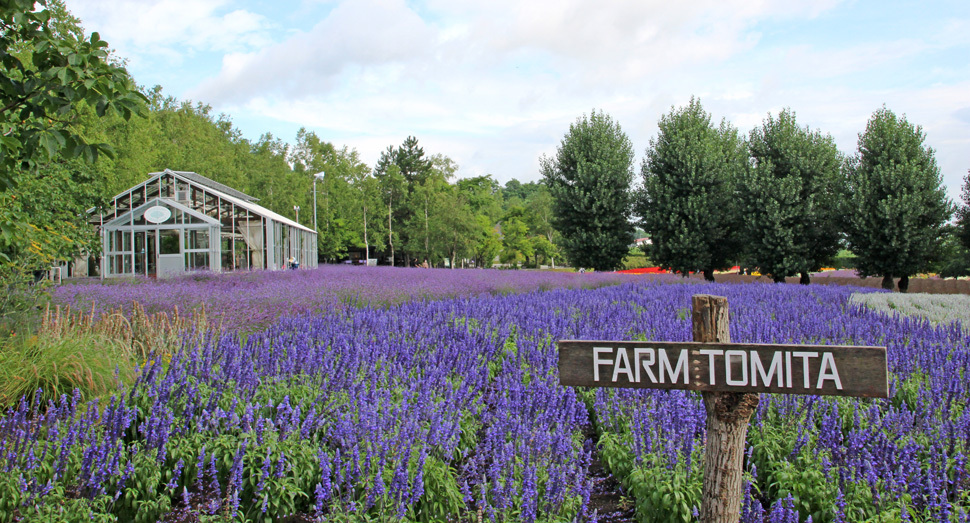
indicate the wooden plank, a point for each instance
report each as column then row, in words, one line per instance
column 835, row 370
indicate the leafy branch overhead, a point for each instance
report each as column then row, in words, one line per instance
column 46, row 76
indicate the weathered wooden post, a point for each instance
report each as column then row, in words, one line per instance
column 730, row 376
column 728, row 414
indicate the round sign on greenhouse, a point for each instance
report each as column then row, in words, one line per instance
column 157, row 214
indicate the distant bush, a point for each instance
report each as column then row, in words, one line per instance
column 636, row 260
column 844, row 260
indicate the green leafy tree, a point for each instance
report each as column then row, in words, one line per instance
column 589, row 180
column 953, row 259
column 955, row 253
column 896, row 205
column 393, row 191
column 516, row 192
column 963, row 214
column 51, row 75
column 544, row 250
column 486, row 242
column 483, row 195
column 338, row 201
column 371, row 211
column 415, row 167
column 56, row 198
column 688, row 205
column 790, row 198
column 454, row 226
column 539, row 213
column 515, row 241
column 47, row 75
column 418, row 231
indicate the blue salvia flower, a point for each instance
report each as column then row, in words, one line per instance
column 200, row 466
column 176, row 475
column 236, row 475
column 417, row 487
column 280, row 466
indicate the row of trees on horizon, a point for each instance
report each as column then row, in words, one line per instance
column 782, row 198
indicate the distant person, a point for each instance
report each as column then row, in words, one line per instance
column 294, row 265
column 425, row 264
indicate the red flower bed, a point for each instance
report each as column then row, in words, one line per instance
column 644, row 270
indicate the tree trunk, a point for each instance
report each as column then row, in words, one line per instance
column 728, row 414
column 778, row 279
column 904, row 283
column 887, row 282
column 390, row 234
column 708, row 274
column 427, row 236
column 805, row 279
column 366, row 245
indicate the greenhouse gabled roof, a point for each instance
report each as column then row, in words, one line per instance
column 239, row 198
column 125, row 217
column 262, row 211
column 198, row 179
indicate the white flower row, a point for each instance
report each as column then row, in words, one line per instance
column 939, row 309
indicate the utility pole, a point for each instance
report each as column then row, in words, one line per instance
column 316, row 176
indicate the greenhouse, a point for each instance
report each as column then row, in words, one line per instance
column 178, row 221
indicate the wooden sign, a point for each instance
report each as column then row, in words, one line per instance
column 729, row 376
column 832, row 370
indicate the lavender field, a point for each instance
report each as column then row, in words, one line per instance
column 242, row 300
column 448, row 408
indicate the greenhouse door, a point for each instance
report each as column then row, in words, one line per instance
column 170, row 260
column 145, row 253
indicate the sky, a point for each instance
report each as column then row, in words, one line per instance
column 495, row 84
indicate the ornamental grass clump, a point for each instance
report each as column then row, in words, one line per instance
column 92, row 353
column 40, row 368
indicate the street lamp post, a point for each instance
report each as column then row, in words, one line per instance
column 319, row 175
column 297, row 209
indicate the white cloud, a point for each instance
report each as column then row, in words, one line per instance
column 171, row 29
column 581, row 46
column 360, row 38
column 496, row 84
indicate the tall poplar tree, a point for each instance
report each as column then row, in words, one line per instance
column 589, row 180
column 790, row 198
column 688, row 205
column 896, row 206
column 963, row 214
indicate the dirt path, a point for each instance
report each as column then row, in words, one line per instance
column 607, row 500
